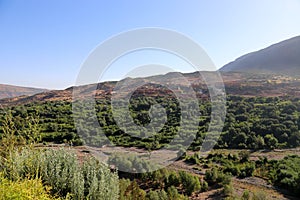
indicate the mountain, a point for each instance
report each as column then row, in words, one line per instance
column 280, row 58
column 236, row 83
column 10, row 91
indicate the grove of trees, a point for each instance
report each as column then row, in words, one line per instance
column 251, row 123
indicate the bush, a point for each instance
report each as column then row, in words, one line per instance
column 244, row 156
column 124, row 192
column 174, row 195
column 173, row 179
column 157, row 195
column 204, row 186
column 152, row 195
column 246, row 195
column 131, row 190
column 259, row 195
column 99, row 182
column 247, row 170
column 194, row 159
column 211, row 175
column 125, row 162
column 214, row 176
column 61, row 170
column 189, row 182
column 228, row 190
column 23, row 189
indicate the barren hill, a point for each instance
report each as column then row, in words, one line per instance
column 9, row 91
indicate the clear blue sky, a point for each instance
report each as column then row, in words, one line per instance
column 43, row 43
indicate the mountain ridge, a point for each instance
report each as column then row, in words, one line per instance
column 236, row 83
column 11, row 91
column 282, row 57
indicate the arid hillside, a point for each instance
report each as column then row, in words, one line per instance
column 10, row 91
column 236, row 83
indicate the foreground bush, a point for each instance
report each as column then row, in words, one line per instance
column 62, row 171
column 23, row 189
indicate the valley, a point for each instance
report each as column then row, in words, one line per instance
column 74, row 148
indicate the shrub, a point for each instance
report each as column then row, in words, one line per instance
column 228, row 190
column 123, row 185
column 152, row 195
column 246, row 195
column 244, row 156
column 125, row 162
column 174, row 195
column 23, row 189
column 204, row 186
column 173, row 179
column 61, row 170
column 194, row 159
column 247, row 170
column 233, row 169
column 10, row 138
column 132, row 191
column 157, row 195
column 189, row 182
column 259, row 195
column 99, row 182
column 211, row 175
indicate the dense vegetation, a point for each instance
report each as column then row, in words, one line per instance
column 233, row 164
column 254, row 123
column 61, row 170
column 23, row 189
column 285, row 173
column 167, row 184
column 251, row 123
column 51, row 173
column 27, row 172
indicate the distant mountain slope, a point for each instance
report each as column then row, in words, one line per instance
column 283, row 57
column 103, row 89
column 10, row 91
column 236, row 83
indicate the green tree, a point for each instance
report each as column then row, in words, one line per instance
column 270, row 141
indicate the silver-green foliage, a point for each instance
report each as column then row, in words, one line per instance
column 100, row 182
column 61, row 170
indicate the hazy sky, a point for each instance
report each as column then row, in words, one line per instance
column 43, row 43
